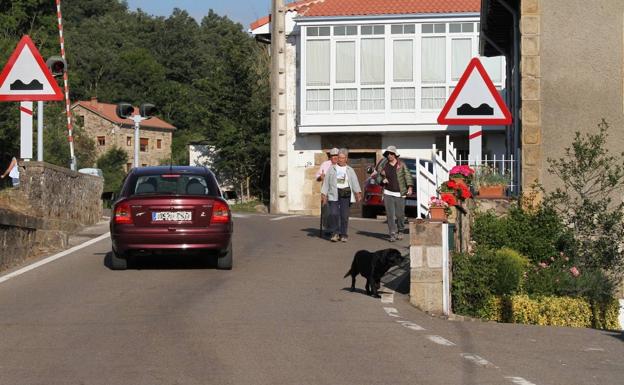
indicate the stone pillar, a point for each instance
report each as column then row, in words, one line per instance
column 530, row 29
column 429, row 276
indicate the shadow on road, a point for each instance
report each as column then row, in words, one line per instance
column 167, row 262
column 312, row 232
column 397, row 279
column 373, row 235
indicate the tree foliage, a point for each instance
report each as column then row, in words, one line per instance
column 209, row 78
column 591, row 177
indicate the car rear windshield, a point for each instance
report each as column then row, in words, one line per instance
column 175, row 184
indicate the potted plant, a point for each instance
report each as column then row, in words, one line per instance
column 458, row 190
column 439, row 210
column 491, row 183
column 462, row 174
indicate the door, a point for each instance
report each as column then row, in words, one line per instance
column 360, row 161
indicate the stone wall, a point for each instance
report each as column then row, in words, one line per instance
column 50, row 203
column 63, row 199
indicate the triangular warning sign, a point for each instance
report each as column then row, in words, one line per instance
column 25, row 77
column 475, row 101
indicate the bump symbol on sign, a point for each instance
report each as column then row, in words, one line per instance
column 467, row 109
column 19, row 85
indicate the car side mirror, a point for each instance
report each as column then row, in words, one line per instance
column 108, row 196
column 230, row 195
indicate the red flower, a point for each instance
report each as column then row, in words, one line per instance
column 449, row 199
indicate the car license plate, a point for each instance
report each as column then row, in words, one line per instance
column 171, row 216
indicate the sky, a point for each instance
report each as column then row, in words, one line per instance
column 242, row 11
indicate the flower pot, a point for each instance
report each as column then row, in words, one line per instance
column 497, row 191
column 460, row 180
column 437, row 214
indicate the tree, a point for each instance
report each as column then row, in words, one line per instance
column 112, row 163
column 591, row 177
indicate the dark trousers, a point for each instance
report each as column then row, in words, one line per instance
column 339, row 216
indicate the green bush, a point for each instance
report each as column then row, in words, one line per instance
column 536, row 233
column 473, row 279
column 510, row 268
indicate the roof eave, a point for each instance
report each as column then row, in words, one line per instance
column 303, row 19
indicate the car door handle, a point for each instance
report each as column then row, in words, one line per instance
column 172, row 229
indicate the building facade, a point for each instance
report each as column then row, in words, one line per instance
column 570, row 60
column 102, row 124
column 368, row 74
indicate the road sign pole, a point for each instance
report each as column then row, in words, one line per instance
column 137, row 125
column 39, row 131
column 26, row 130
column 475, row 136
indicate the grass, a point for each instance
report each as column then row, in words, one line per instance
column 248, row 207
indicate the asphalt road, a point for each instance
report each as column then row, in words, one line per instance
column 283, row 315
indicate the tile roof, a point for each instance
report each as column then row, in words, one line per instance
column 107, row 111
column 375, row 7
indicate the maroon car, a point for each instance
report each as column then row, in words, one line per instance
column 171, row 209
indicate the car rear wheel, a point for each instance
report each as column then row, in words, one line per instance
column 118, row 262
column 224, row 260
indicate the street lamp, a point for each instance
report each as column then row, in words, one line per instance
column 146, row 111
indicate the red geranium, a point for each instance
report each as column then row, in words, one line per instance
column 449, row 199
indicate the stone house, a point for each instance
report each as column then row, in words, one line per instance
column 570, row 60
column 366, row 74
column 102, row 124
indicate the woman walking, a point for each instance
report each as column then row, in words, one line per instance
column 340, row 189
column 397, row 182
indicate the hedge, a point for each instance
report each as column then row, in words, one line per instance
column 555, row 311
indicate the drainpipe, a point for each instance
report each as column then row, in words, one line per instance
column 516, row 95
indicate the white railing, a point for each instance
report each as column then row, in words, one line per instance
column 432, row 173
column 502, row 165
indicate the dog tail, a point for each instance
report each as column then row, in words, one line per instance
column 348, row 274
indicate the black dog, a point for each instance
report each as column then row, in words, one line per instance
column 373, row 266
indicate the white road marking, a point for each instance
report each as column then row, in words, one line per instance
column 361, row 219
column 594, row 350
column 239, row 215
column 519, row 381
column 411, row 325
column 285, row 217
column 387, row 298
column 477, row 360
column 52, row 258
column 440, row 340
column 392, row 312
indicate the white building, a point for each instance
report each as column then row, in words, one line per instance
column 365, row 74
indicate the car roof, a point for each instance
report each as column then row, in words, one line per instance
column 151, row 170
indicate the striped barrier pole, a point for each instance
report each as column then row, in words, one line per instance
column 26, row 130
column 70, row 136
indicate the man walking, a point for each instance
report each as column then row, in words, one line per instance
column 397, row 182
column 340, row 189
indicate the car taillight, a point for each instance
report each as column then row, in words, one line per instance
column 123, row 214
column 220, row 213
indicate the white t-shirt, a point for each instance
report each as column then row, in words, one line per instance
column 14, row 173
column 342, row 176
